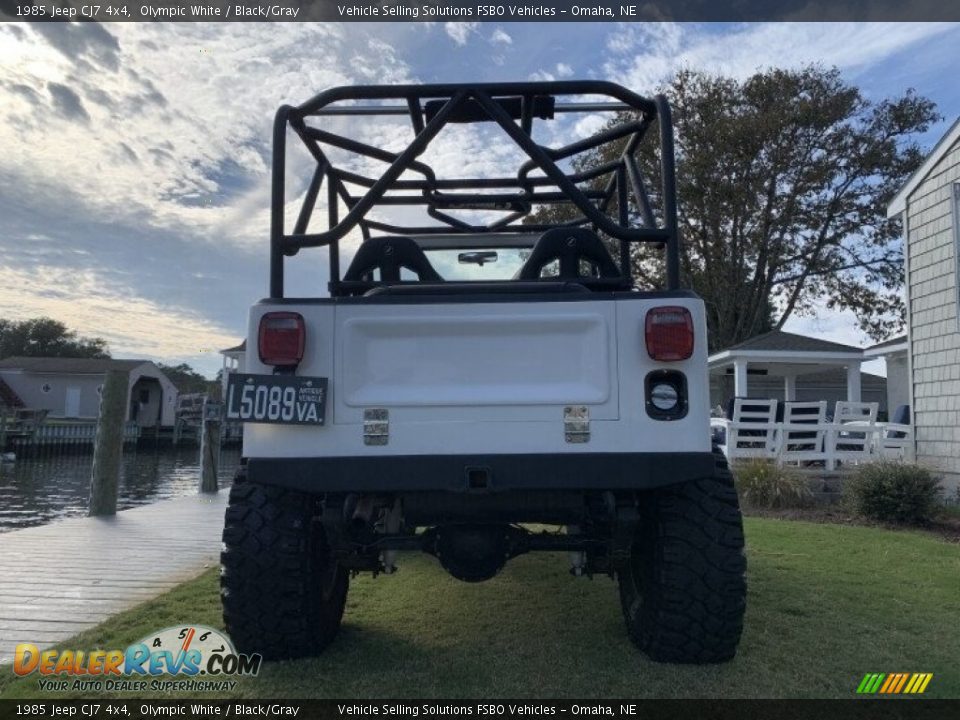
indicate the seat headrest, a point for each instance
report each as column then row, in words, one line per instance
column 389, row 255
column 569, row 246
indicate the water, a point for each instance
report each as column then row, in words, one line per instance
column 40, row 490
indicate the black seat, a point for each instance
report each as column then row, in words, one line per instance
column 389, row 255
column 901, row 416
column 571, row 246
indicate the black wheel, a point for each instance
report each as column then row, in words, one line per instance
column 282, row 592
column 683, row 593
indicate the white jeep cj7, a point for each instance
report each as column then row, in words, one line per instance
column 480, row 371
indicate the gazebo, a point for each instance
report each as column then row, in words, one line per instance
column 787, row 355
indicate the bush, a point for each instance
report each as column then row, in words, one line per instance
column 893, row 492
column 763, row 484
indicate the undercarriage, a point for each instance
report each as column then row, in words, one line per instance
column 473, row 536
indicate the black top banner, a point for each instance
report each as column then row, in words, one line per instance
column 478, row 10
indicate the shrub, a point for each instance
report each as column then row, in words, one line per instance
column 893, row 492
column 763, row 484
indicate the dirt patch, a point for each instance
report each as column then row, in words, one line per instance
column 946, row 525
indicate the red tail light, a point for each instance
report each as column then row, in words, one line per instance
column 281, row 338
column 669, row 333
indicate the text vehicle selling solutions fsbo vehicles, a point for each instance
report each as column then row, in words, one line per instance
column 485, row 363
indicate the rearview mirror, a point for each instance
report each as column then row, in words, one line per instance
column 478, row 257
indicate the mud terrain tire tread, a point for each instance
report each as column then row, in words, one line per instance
column 683, row 593
column 282, row 595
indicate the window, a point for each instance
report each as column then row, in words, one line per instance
column 144, row 395
column 455, row 265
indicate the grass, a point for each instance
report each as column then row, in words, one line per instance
column 827, row 604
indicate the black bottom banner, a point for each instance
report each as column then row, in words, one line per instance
column 906, row 709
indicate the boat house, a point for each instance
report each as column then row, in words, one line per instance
column 70, row 388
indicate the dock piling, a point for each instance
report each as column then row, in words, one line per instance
column 108, row 444
column 210, row 446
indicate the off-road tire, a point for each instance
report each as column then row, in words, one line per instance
column 282, row 593
column 683, row 593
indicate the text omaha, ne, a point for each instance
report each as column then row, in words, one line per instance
column 481, row 11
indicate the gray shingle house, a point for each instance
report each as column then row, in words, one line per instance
column 929, row 206
column 70, row 387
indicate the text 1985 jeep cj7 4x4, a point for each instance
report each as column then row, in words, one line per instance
column 473, row 373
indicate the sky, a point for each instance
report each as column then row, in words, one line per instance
column 134, row 157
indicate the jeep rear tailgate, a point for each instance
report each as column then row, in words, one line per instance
column 474, row 361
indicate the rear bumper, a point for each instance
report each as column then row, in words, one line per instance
column 482, row 473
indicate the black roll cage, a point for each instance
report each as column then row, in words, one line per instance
column 431, row 107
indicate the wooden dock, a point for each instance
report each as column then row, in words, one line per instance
column 61, row 578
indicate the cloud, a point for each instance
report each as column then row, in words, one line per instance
column 144, row 218
column 26, row 92
column 153, row 193
column 460, row 31
column 67, row 102
column 559, row 72
column 642, row 55
column 590, row 124
column 88, row 303
column 87, row 41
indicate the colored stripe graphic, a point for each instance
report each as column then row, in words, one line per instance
column 891, row 680
column 894, row 683
column 870, row 683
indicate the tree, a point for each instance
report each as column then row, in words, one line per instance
column 46, row 337
column 783, row 181
column 185, row 378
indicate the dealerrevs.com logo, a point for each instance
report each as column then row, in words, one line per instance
column 196, row 656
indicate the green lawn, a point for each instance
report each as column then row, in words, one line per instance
column 827, row 604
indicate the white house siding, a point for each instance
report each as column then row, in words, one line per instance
column 45, row 391
column 933, row 317
column 898, row 381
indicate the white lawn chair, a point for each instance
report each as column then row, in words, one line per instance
column 803, row 431
column 895, row 442
column 853, row 435
column 859, row 412
column 752, row 432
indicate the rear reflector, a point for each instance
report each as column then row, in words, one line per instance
column 669, row 333
column 281, row 339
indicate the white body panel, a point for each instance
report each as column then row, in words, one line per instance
column 460, row 357
column 491, row 377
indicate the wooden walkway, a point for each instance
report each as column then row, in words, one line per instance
column 61, row 578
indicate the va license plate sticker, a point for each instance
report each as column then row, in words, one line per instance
column 279, row 399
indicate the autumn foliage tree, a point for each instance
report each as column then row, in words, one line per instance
column 783, row 181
